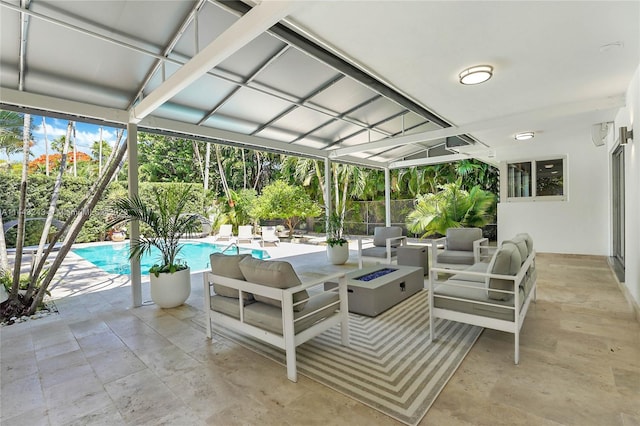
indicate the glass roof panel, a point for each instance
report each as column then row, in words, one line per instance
column 302, row 120
column 343, row 95
column 296, row 74
column 253, row 106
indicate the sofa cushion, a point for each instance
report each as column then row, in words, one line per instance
column 527, row 239
column 522, row 246
column 462, row 238
column 269, row 318
column 480, row 267
column 228, row 305
column 276, row 274
column 506, row 261
column 228, row 266
column 381, row 233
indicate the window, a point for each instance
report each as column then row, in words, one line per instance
column 536, row 179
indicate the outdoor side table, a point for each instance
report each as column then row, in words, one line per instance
column 412, row 255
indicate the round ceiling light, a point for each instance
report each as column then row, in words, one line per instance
column 523, row 136
column 476, row 75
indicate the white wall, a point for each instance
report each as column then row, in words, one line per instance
column 579, row 225
column 630, row 117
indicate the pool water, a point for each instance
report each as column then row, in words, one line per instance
column 114, row 258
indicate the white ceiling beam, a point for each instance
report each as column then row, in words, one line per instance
column 428, row 160
column 252, row 142
column 49, row 104
column 255, row 22
column 520, row 119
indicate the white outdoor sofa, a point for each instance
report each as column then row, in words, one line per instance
column 494, row 295
column 266, row 300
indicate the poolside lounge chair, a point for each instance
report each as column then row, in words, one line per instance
column 268, row 236
column 225, row 233
column 245, row 233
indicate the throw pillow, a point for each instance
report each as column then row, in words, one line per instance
column 276, row 274
column 227, row 266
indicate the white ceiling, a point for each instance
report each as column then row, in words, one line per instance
column 552, row 69
column 552, row 66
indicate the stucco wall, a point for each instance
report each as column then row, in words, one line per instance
column 630, row 117
column 578, row 225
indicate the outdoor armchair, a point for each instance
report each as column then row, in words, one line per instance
column 386, row 240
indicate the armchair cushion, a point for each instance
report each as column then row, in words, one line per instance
column 228, row 266
column 276, row 274
column 378, row 252
column 506, row 261
column 461, row 239
column 381, row 233
column 456, row 257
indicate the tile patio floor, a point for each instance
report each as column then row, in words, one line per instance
column 101, row 362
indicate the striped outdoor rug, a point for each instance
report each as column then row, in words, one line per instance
column 390, row 366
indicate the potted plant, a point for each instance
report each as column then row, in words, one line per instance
column 170, row 279
column 337, row 245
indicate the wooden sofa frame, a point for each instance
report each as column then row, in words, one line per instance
column 520, row 312
column 289, row 339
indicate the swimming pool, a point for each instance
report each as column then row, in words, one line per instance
column 114, row 258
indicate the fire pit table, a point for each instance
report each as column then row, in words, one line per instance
column 374, row 289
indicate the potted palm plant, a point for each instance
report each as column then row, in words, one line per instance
column 170, row 279
column 337, row 245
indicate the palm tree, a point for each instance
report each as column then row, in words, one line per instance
column 452, row 207
column 11, row 125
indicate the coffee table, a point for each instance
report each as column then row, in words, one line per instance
column 375, row 296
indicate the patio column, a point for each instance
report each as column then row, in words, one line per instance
column 327, row 190
column 387, row 196
column 132, row 153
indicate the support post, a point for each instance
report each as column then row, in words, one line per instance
column 387, row 196
column 132, row 152
column 327, row 190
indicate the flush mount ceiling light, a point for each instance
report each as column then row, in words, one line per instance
column 523, row 136
column 476, row 75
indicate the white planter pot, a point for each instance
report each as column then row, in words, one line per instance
column 338, row 255
column 171, row 290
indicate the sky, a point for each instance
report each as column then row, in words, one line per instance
column 86, row 134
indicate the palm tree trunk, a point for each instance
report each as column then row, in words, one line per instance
column 22, row 207
column 75, row 152
column 49, row 220
column 258, row 170
column 46, row 145
column 114, row 161
column 207, row 164
column 4, row 258
column 90, row 200
column 244, row 169
column 223, row 176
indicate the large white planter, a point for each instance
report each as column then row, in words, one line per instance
column 171, row 290
column 337, row 254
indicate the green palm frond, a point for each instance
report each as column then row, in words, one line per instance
column 167, row 221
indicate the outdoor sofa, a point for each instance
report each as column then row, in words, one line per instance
column 267, row 301
column 494, row 294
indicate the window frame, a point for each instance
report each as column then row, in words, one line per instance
column 504, row 172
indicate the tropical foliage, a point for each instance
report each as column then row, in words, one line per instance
column 335, row 230
column 166, row 220
column 280, row 200
column 451, row 207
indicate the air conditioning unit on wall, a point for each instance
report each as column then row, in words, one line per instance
column 601, row 132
